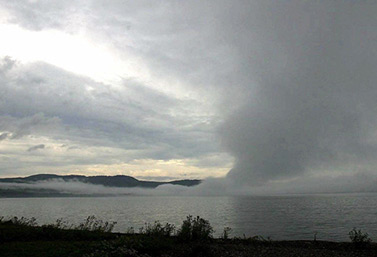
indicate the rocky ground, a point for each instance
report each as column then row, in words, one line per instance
column 258, row 249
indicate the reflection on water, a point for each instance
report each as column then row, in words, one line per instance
column 288, row 217
column 300, row 217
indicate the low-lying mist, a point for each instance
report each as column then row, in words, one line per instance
column 354, row 183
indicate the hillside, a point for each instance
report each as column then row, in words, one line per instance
column 119, row 181
column 111, row 181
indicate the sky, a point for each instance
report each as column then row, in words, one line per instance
column 255, row 94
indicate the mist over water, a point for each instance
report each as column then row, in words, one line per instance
column 350, row 183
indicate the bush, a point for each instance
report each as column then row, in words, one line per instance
column 157, row 229
column 93, row 224
column 130, row 230
column 195, row 229
column 30, row 222
column 359, row 238
column 226, row 233
column 59, row 224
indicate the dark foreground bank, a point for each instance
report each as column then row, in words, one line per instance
column 22, row 237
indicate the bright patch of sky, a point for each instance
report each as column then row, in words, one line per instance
column 52, row 58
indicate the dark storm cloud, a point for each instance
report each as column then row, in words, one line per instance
column 36, row 147
column 310, row 74
column 293, row 82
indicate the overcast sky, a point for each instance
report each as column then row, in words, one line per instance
column 272, row 91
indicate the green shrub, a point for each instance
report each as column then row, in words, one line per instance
column 195, row 229
column 130, row 230
column 59, row 224
column 157, row 229
column 226, row 233
column 359, row 238
column 93, row 224
column 31, row 222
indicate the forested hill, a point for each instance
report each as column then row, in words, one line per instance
column 110, row 181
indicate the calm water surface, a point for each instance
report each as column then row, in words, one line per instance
column 280, row 217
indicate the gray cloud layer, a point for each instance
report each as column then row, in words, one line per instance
column 36, row 147
column 293, row 82
column 66, row 106
column 3, row 136
column 312, row 85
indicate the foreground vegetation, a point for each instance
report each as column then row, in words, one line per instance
column 92, row 238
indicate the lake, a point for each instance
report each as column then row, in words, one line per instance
column 279, row 217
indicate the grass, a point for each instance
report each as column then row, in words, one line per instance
column 93, row 237
column 23, row 239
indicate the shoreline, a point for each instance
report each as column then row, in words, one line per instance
column 92, row 238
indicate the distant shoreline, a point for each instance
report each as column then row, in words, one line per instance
column 52, row 185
